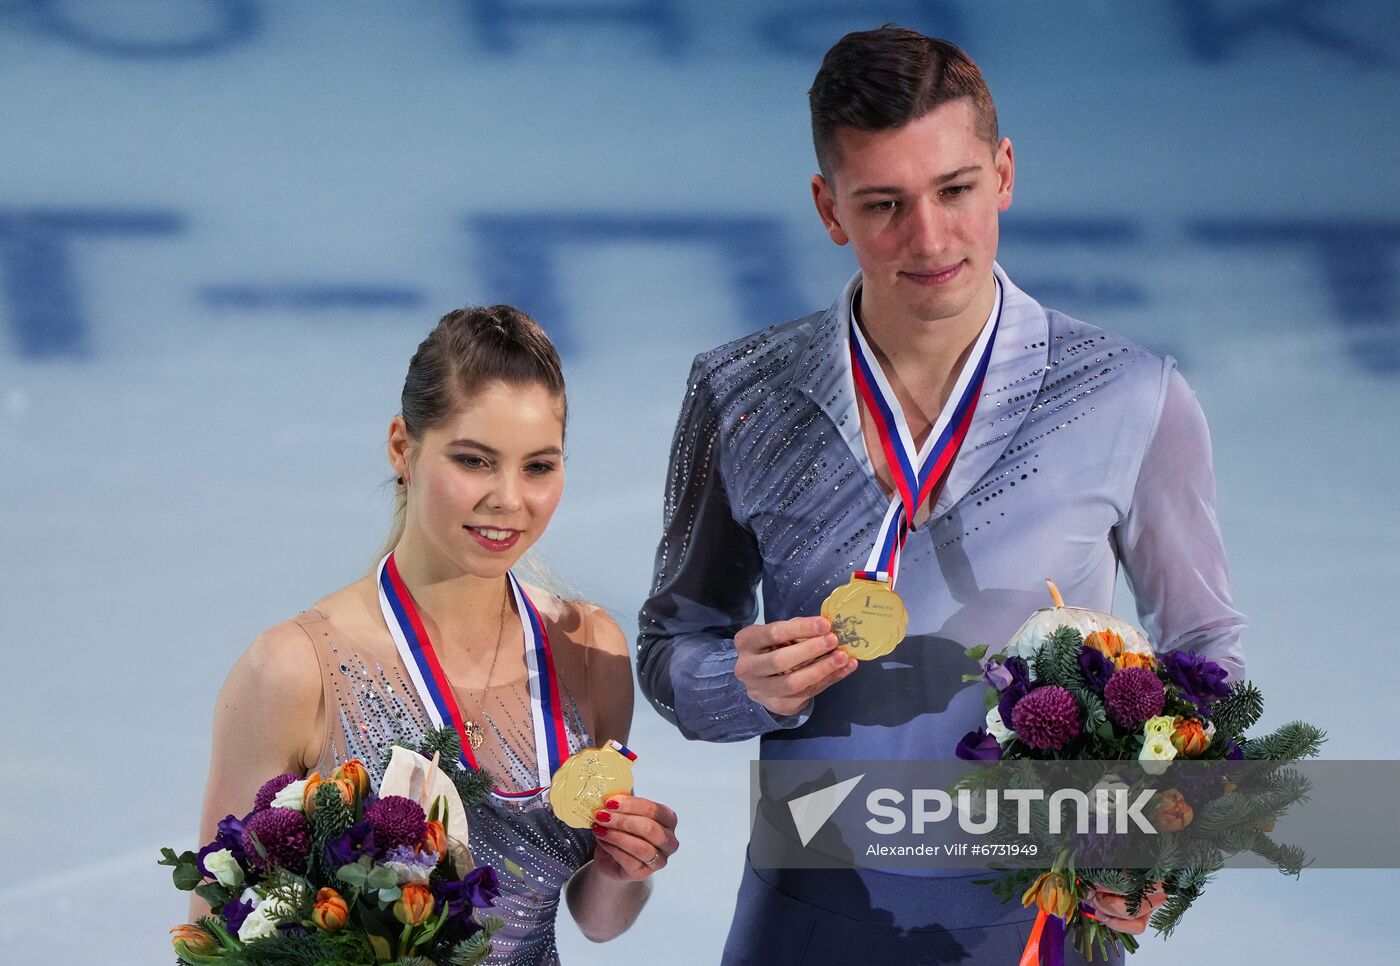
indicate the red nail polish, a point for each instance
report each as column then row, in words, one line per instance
column 611, row 803
column 603, row 817
column 599, row 830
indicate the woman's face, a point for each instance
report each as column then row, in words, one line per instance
column 483, row 484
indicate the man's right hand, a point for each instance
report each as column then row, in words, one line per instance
column 784, row 664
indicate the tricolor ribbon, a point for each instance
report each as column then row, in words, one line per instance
column 435, row 692
column 915, row 473
column 622, row 749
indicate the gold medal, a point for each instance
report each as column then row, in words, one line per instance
column 583, row 783
column 867, row 617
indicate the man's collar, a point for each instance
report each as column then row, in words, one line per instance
column 1014, row 375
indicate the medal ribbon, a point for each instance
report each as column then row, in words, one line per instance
column 622, row 749
column 420, row 658
column 915, row 474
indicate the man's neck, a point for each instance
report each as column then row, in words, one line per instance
column 922, row 358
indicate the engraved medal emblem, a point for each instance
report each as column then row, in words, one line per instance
column 867, row 617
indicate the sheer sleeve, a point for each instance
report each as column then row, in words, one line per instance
column 703, row 590
column 1169, row 541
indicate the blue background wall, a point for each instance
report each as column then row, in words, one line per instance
column 225, row 224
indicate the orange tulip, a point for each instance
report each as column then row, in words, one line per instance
column 1106, row 642
column 330, row 911
column 1189, row 737
column 1052, row 893
column 1173, row 812
column 1133, row 659
column 315, row 781
column 434, row 840
column 414, row 906
column 191, row 942
column 354, row 770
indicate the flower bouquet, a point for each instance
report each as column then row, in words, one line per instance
column 1084, row 686
column 325, row 870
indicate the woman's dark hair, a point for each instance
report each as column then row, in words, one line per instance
column 468, row 350
column 875, row 80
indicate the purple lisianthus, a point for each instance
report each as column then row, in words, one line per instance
column 1097, row 668
column 478, row 890
column 228, row 836
column 234, row 913
column 1202, row 682
column 997, row 675
column 1234, row 752
column 1019, row 687
column 978, row 746
column 347, row 847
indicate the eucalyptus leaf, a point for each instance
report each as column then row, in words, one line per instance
column 381, row 878
column 212, row 893
column 352, row 874
column 187, row 876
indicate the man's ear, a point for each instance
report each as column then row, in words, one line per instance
column 824, row 197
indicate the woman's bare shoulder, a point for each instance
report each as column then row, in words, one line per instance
column 283, row 658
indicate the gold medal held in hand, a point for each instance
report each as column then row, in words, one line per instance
column 867, row 617
column 586, row 779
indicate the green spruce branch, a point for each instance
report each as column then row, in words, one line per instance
column 1237, row 712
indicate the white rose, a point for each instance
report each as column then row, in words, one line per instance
column 224, row 867
column 258, row 925
column 997, row 728
column 1156, row 752
column 267, row 912
column 290, row 797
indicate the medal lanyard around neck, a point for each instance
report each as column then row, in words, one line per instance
column 915, row 475
column 435, row 693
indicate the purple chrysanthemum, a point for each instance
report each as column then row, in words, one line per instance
column 269, row 790
column 1133, row 695
column 283, row 834
column 1046, row 718
column 397, row 821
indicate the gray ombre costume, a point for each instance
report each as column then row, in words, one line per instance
column 1085, row 452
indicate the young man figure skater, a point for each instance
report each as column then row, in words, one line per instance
column 1059, row 450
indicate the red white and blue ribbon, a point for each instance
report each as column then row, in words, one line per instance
column 435, row 691
column 915, row 473
column 622, row 749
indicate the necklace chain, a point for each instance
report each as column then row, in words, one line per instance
column 475, row 733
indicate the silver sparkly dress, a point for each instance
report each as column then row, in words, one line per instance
column 371, row 704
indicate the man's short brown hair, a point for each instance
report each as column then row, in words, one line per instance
column 875, row 80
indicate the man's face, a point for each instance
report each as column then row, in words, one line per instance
column 919, row 206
